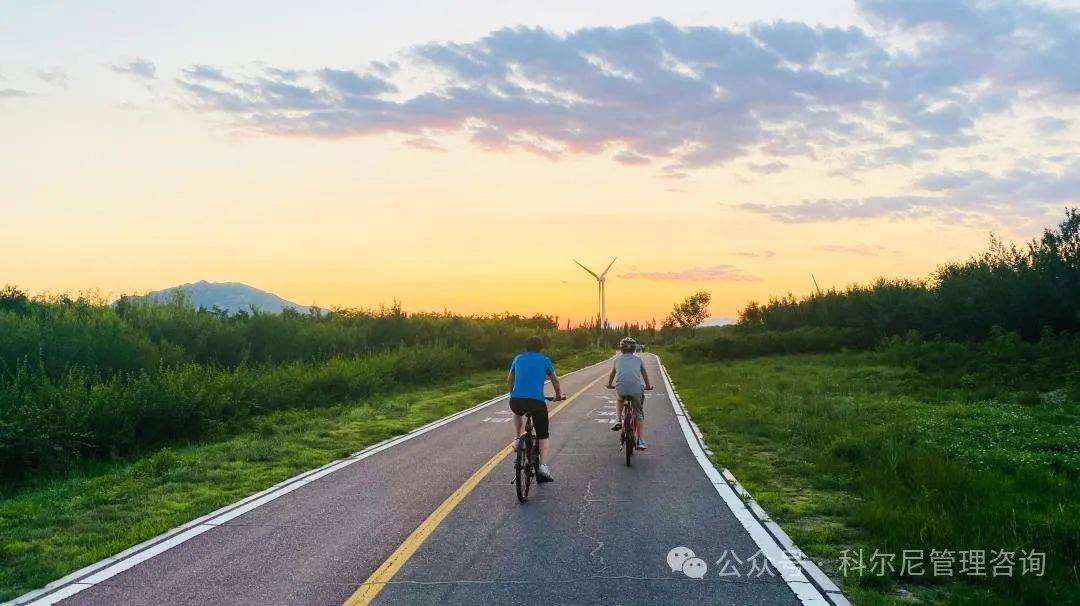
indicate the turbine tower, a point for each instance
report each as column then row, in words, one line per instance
column 601, row 299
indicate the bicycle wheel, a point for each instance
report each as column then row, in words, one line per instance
column 629, row 436
column 522, row 468
column 535, row 460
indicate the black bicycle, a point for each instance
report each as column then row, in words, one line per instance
column 527, row 459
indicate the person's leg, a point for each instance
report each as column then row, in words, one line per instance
column 618, row 414
column 639, row 414
column 518, row 410
column 517, row 427
column 540, row 423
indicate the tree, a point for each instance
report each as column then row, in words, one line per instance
column 691, row 312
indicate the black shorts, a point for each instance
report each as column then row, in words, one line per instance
column 537, row 409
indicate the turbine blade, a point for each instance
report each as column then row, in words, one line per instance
column 608, row 267
column 587, row 269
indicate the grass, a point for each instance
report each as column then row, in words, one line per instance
column 52, row 528
column 850, row 451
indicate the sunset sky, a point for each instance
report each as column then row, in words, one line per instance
column 459, row 155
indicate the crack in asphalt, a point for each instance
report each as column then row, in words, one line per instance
column 586, row 500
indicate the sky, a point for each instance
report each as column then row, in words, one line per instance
column 459, row 156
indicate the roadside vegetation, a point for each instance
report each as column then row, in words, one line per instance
column 912, row 415
column 84, row 381
column 121, row 421
column 1028, row 290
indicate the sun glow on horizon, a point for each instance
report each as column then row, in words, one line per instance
column 466, row 175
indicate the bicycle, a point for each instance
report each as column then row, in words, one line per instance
column 527, row 459
column 628, row 433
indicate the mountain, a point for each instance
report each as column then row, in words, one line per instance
column 230, row 296
column 717, row 322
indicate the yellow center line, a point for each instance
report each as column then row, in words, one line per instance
column 382, row 575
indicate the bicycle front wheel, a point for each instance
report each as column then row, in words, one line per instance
column 523, row 468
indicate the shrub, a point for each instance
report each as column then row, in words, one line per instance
column 733, row 343
column 1022, row 290
column 81, row 379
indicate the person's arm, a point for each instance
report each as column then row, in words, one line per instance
column 510, row 378
column 611, row 379
column 556, row 385
column 645, row 375
column 554, row 380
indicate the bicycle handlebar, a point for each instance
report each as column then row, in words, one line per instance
column 554, row 399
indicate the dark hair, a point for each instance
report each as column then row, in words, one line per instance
column 629, row 348
column 534, row 344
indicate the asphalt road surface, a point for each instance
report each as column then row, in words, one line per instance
column 600, row 534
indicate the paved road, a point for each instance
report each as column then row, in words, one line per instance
column 599, row 535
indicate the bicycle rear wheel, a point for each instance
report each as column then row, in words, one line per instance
column 629, row 436
column 523, row 468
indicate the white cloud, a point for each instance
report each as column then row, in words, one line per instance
column 1050, row 125
column 137, row 68
column 809, row 211
column 425, row 143
column 903, row 92
column 725, row 273
column 54, row 76
column 768, row 168
column 691, row 96
column 1019, row 192
column 14, row 93
column 628, row 157
column 858, row 248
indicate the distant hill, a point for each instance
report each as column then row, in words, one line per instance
column 718, row 322
column 230, row 296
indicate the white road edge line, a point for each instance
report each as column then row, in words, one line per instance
column 101, row 570
column 781, row 556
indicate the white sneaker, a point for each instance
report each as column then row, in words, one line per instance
column 544, row 474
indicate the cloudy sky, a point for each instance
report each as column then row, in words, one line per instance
column 458, row 156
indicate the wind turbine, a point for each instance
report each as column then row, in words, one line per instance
column 600, row 280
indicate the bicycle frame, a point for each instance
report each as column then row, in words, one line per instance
column 527, row 461
column 628, row 434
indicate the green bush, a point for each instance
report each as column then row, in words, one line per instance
column 1002, row 360
column 83, row 380
column 52, row 424
column 731, row 343
column 1022, row 290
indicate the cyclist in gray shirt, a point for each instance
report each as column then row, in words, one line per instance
column 629, row 379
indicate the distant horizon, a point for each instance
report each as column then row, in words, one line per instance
column 112, row 298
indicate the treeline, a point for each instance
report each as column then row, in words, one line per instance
column 1027, row 290
column 83, row 380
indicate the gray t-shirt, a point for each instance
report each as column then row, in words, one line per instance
column 628, row 374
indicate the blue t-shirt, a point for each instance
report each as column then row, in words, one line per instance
column 530, row 372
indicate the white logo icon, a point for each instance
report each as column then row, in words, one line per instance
column 695, row 568
column 676, row 557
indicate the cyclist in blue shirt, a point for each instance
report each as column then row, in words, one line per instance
column 528, row 372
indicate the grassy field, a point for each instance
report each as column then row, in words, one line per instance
column 854, row 451
column 54, row 527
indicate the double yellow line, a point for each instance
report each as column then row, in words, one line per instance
column 382, row 575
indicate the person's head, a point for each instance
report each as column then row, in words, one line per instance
column 534, row 344
column 627, row 345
